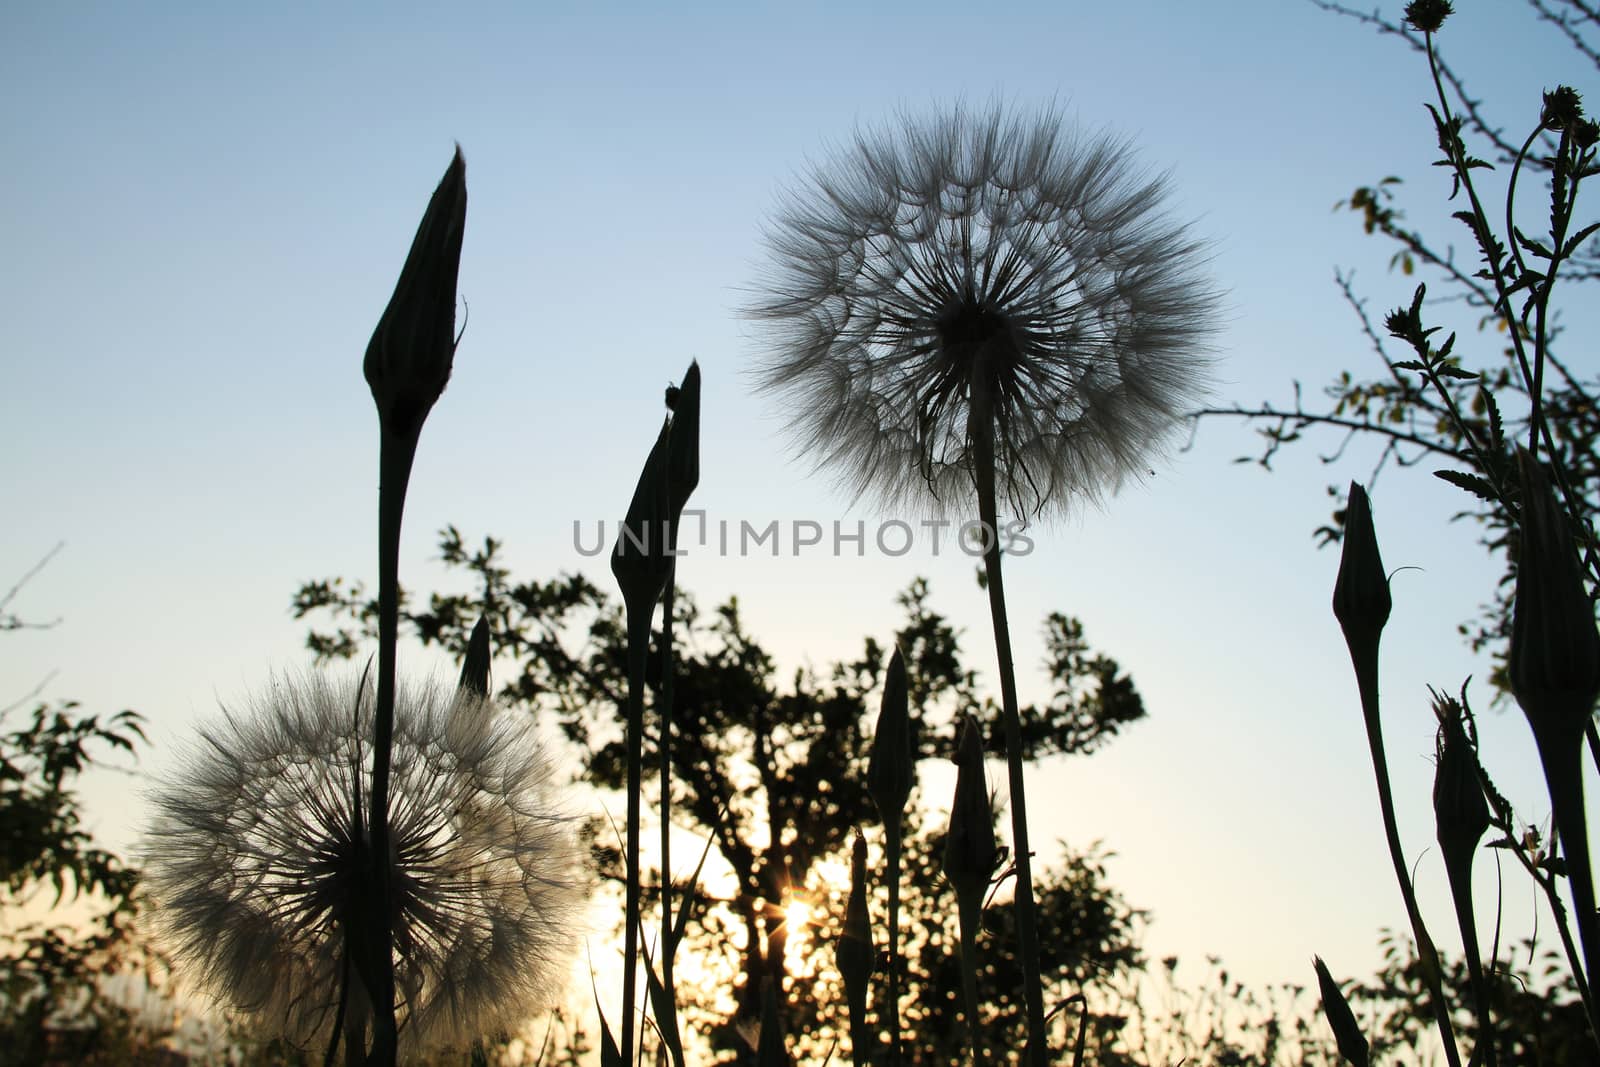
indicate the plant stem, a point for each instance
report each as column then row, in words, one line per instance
column 1458, row 871
column 1563, row 774
column 638, row 655
column 893, row 843
column 981, row 433
column 666, row 951
column 1364, row 657
column 971, row 909
column 395, row 457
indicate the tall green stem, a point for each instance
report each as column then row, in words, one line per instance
column 395, row 457
column 971, row 910
column 1563, row 774
column 893, row 843
column 981, row 432
column 1458, row 870
column 668, row 983
column 1364, row 657
column 638, row 655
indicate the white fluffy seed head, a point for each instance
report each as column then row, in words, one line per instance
column 1016, row 249
column 253, row 861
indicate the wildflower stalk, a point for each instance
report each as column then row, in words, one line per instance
column 407, row 364
column 981, row 431
column 890, row 775
column 640, row 564
column 1361, row 602
column 395, row 458
column 855, row 954
column 970, row 858
column 638, row 653
column 682, row 477
column 1461, row 817
column 1554, row 668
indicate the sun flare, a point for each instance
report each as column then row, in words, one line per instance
column 796, row 915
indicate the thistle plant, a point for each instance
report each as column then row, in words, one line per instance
column 974, row 311
column 259, row 862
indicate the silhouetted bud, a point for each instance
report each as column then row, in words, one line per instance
column 892, row 769
column 1585, row 133
column 475, row 664
column 683, row 446
column 1562, row 108
column 1428, row 15
column 855, row 954
column 639, row 561
column 408, row 359
column 1352, row 1043
column 1361, row 600
column 1554, row 659
column 1461, row 814
column 771, row 1050
column 970, row 853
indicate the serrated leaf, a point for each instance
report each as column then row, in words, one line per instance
column 1470, row 482
column 1536, row 247
column 1578, row 238
column 1450, row 370
column 1497, row 431
column 1409, row 364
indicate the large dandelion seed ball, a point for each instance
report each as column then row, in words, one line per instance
column 975, row 274
column 257, row 863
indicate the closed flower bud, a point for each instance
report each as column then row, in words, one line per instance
column 855, row 954
column 1428, row 15
column 1361, row 591
column 683, row 444
column 970, row 853
column 475, row 664
column 1554, row 659
column 640, row 559
column 408, row 359
column 1562, row 107
column 1352, row 1043
column 892, row 770
column 1461, row 813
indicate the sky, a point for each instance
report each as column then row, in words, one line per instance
column 206, row 208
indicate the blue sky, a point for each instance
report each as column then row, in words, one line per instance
column 206, row 208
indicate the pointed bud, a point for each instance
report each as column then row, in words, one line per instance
column 855, row 954
column 892, row 768
column 771, row 1049
column 1352, row 1043
column 1563, row 107
column 639, row 561
column 1361, row 592
column 475, row 664
column 1428, row 15
column 970, row 853
column 683, row 446
column 1554, row 659
column 1461, row 814
column 408, row 359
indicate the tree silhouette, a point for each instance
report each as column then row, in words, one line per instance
column 46, row 854
column 1392, row 407
column 774, row 775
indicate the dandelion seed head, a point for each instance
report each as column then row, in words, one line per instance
column 256, row 863
column 1016, row 251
